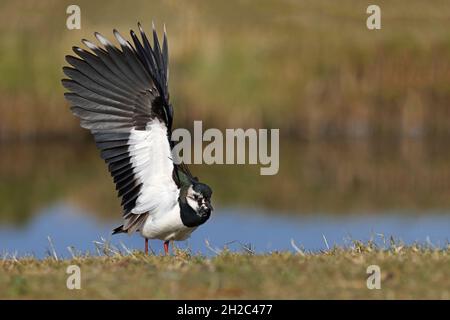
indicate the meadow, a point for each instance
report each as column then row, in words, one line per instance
column 337, row 273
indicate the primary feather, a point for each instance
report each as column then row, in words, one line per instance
column 121, row 96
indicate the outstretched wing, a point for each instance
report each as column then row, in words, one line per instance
column 121, row 96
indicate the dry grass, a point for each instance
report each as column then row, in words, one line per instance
column 339, row 273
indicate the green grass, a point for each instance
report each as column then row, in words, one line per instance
column 339, row 273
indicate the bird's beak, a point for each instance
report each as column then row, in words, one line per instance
column 206, row 208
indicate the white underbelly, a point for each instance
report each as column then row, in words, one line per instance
column 166, row 226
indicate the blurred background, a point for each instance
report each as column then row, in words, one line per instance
column 364, row 118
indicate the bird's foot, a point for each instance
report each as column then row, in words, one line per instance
column 146, row 246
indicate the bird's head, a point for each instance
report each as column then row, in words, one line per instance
column 199, row 199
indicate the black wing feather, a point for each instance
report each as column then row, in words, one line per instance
column 114, row 91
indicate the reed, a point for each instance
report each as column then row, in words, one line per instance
column 311, row 68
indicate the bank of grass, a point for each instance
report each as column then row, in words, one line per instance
column 311, row 68
column 339, row 273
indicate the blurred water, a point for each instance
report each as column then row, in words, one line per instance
column 339, row 190
column 236, row 229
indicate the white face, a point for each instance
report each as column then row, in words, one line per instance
column 196, row 200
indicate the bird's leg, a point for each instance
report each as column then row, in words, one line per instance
column 166, row 247
column 146, row 246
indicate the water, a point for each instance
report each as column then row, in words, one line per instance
column 340, row 191
column 239, row 230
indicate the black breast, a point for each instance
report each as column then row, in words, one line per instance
column 189, row 217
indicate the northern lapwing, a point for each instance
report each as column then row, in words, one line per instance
column 121, row 95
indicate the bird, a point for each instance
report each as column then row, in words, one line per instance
column 121, row 95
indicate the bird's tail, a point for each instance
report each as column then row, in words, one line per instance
column 119, row 229
column 133, row 222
